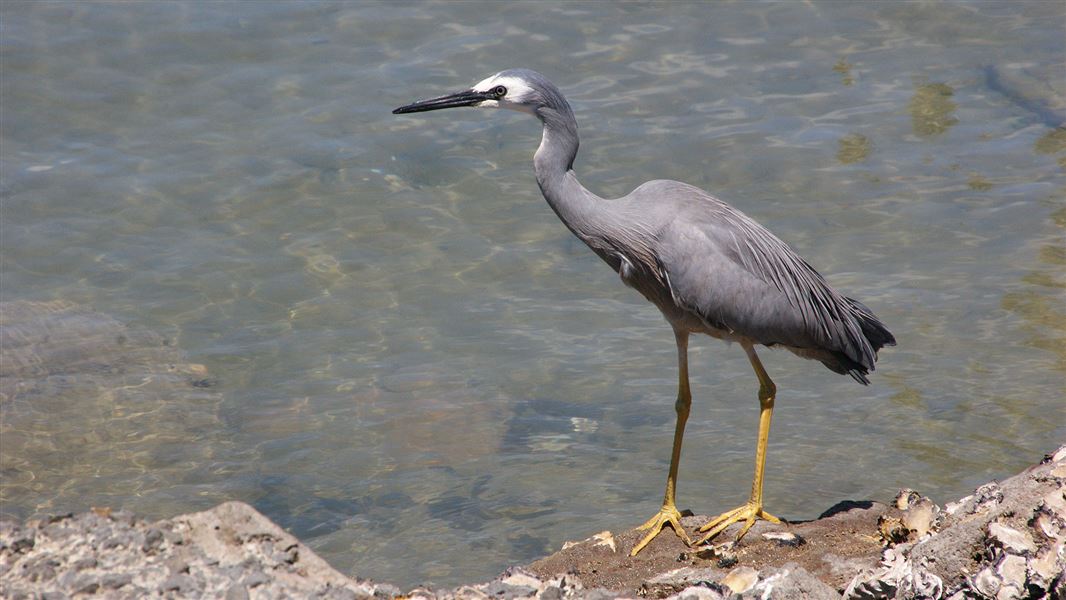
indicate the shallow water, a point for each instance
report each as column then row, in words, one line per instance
column 412, row 364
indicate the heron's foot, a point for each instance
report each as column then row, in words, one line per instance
column 667, row 515
column 749, row 513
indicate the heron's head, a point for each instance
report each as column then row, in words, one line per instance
column 515, row 89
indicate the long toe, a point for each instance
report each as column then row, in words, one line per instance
column 748, row 513
column 667, row 515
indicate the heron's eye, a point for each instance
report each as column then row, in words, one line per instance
column 499, row 91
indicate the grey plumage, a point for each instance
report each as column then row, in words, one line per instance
column 712, row 269
column 708, row 267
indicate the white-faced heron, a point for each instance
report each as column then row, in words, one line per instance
column 708, row 267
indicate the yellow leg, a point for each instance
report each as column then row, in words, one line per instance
column 752, row 510
column 669, row 514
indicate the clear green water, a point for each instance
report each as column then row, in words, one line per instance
column 415, row 367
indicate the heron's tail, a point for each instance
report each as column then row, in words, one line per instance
column 873, row 329
column 876, row 335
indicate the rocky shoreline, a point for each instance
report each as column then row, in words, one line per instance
column 1006, row 540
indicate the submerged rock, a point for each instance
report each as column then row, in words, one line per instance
column 86, row 398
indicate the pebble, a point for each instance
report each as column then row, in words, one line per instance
column 785, row 538
column 741, row 579
column 605, row 539
column 727, row 560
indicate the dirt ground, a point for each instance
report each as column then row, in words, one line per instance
column 834, row 548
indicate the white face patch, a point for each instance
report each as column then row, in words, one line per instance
column 518, row 92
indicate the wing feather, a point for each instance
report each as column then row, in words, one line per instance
column 733, row 272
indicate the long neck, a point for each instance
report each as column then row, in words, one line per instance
column 553, row 163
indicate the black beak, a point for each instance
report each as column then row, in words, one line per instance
column 464, row 98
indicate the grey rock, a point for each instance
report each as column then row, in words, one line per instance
column 1047, row 565
column 236, row 592
column 678, row 580
column 85, row 563
column 988, row 525
column 15, row 538
column 218, row 553
column 703, row 592
column 1011, row 540
column 41, row 569
column 1050, row 517
column 176, row 565
column 123, row 517
column 499, row 589
column 254, row 579
column 1058, row 589
column 595, row 594
column 791, row 581
column 1011, row 571
column 900, row 575
column 116, row 542
column 986, row 583
column 988, row 496
column 115, row 581
column 331, row 593
column 383, row 591
column 85, row 585
column 845, row 567
column 153, row 540
column 874, row 589
column 183, row 584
